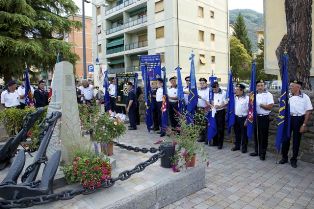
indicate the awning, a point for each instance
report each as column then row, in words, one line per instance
column 116, row 42
column 117, row 61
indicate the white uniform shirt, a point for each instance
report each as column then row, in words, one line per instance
column 220, row 99
column 186, row 94
column 264, row 98
column 112, row 90
column 159, row 94
column 21, row 92
column 241, row 105
column 172, row 92
column 300, row 104
column 10, row 99
column 87, row 92
column 204, row 96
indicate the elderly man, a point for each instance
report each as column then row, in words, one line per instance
column 131, row 106
column 87, row 92
column 21, row 92
column 10, row 97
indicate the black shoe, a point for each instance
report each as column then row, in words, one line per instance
column 162, row 134
column 235, row 149
column 253, row 154
column 156, row 129
column 132, row 128
column 262, row 157
column 293, row 163
column 244, row 150
column 219, row 147
column 159, row 132
column 283, row 161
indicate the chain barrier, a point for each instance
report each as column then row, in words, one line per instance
column 69, row 194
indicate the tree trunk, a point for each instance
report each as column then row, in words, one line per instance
column 298, row 40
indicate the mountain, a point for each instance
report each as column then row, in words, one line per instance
column 254, row 21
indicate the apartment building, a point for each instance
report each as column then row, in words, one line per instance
column 126, row 29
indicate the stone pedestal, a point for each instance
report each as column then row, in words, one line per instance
column 67, row 133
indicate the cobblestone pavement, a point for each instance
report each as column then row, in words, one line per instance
column 236, row 180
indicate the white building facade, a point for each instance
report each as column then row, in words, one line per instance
column 126, row 29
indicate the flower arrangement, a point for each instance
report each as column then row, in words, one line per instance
column 88, row 169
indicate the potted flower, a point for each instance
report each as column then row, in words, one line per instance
column 88, row 169
column 106, row 130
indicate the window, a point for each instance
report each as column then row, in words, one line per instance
column 202, row 59
column 160, row 32
column 201, row 12
column 201, row 35
column 159, row 6
column 99, row 48
column 212, row 14
column 98, row 11
column 213, row 59
column 212, row 36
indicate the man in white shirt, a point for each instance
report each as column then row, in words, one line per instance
column 202, row 103
column 159, row 95
column 264, row 104
column 87, row 92
column 113, row 94
column 173, row 102
column 220, row 102
column 21, row 92
column 300, row 111
column 186, row 90
column 10, row 97
column 241, row 111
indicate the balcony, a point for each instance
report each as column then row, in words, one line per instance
column 120, row 6
column 135, row 45
column 126, row 25
column 115, row 50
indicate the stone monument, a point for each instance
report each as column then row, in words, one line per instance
column 67, row 133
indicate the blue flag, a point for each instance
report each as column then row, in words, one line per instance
column 164, row 109
column 211, row 126
column 147, row 97
column 251, row 119
column 231, row 104
column 28, row 91
column 106, row 89
column 283, row 118
column 193, row 95
column 180, row 91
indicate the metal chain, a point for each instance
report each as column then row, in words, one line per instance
column 136, row 149
column 69, row 194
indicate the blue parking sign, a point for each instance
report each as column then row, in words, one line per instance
column 91, row 68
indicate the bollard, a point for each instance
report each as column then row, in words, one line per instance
column 169, row 151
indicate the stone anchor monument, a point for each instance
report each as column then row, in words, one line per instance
column 67, row 133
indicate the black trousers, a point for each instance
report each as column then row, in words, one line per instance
column 220, row 122
column 159, row 105
column 113, row 107
column 132, row 117
column 295, row 125
column 173, row 109
column 155, row 116
column 240, row 133
column 137, row 114
column 261, row 129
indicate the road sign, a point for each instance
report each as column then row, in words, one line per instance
column 91, row 68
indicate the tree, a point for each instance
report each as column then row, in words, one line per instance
column 298, row 40
column 32, row 32
column 240, row 32
column 240, row 60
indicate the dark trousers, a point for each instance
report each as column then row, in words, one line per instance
column 240, row 133
column 173, row 109
column 113, row 107
column 220, row 121
column 159, row 104
column 132, row 117
column 261, row 129
column 155, row 116
column 295, row 125
column 137, row 114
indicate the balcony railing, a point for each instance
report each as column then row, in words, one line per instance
column 120, row 6
column 115, row 50
column 135, row 45
column 129, row 24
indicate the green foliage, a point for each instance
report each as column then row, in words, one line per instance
column 240, row 32
column 88, row 116
column 240, row 60
column 32, row 32
column 88, row 169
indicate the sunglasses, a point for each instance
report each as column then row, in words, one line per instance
column 187, row 80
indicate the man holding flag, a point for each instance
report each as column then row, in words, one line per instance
column 25, row 93
column 202, row 103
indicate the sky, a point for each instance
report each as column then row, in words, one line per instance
column 256, row 5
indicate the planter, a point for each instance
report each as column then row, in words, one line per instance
column 107, row 148
column 190, row 162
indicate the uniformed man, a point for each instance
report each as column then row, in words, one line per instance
column 264, row 104
column 131, row 106
column 186, row 90
column 241, row 111
column 220, row 102
column 173, row 102
column 10, row 97
column 159, row 96
column 41, row 95
column 21, row 92
column 112, row 93
column 154, row 105
column 202, row 103
column 300, row 111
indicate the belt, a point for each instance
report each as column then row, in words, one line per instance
column 298, row 115
column 173, row 101
column 241, row 116
column 261, row 115
column 112, row 96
